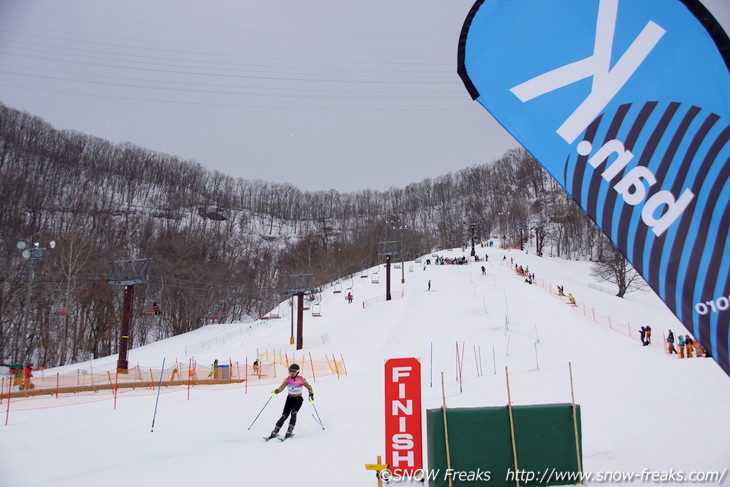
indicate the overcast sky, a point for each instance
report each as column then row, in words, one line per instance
column 322, row 94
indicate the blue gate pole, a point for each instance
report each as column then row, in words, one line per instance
column 157, row 401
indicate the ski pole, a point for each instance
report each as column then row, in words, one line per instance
column 159, row 386
column 259, row 414
column 319, row 420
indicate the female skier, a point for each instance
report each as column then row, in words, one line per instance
column 294, row 400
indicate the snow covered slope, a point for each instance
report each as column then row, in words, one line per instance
column 641, row 408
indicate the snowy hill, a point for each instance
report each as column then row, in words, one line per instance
column 641, row 409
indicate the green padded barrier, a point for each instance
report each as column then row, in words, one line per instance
column 481, row 446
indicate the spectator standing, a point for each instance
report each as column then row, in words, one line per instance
column 670, row 343
column 28, row 373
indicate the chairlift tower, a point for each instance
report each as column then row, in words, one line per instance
column 401, row 229
column 127, row 273
column 472, row 226
column 388, row 249
column 298, row 285
column 32, row 254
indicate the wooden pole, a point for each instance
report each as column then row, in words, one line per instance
column 512, row 427
column 337, row 370
column 311, row 363
column 379, row 462
column 575, row 423
column 344, row 367
column 190, row 375
column 446, row 428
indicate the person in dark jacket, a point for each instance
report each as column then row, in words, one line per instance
column 670, row 343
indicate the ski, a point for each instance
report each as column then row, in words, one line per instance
column 286, row 437
column 267, row 438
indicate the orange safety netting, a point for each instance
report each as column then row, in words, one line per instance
column 141, row 380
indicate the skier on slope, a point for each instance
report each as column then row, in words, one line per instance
column 294, row 400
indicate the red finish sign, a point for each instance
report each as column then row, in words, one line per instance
column 403, row 434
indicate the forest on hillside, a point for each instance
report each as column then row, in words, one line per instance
column 221, row 248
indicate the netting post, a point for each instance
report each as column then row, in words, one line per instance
column 311, row 363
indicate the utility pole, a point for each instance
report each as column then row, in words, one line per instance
column 291, row 312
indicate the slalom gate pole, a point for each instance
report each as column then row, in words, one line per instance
column 476, row 360
column 157, row 401
column 461, row 365
column 319, row 420
column 481, row 369
column 431, row 367
column 190, row 370
column 494, row 361
column 10, row 388
column 116, row 387
column 259, row 414
column 457, row 361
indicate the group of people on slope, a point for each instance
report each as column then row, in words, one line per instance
column 687, row 346
column 21, row 376
column 449, row 261
column 571, row 298
column 524, row 272
column 645, row 335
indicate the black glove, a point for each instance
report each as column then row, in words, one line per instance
column 311, row 397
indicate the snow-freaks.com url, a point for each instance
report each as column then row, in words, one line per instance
column 549, row 476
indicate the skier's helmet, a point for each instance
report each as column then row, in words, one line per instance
column 294, row 367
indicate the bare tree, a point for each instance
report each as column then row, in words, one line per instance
column 614, row 268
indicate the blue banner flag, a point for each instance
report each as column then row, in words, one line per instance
column 626, row 103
